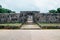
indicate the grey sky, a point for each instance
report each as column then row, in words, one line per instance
column 30, row 5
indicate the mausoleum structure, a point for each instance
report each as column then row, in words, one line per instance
column 24, row 15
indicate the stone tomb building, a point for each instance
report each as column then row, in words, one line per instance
column 24, row 15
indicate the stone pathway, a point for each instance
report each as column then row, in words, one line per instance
column 30, row 25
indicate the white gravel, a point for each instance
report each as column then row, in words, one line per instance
column 29, row 34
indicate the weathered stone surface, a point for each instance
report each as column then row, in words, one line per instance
column 46, row 17
column 23, row 15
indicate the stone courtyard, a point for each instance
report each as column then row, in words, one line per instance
column 29, row 34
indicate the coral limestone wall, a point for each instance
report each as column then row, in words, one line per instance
column 22, row 17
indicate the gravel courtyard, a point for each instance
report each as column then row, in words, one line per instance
column 30, row 34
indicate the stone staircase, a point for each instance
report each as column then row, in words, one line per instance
column 30, row 25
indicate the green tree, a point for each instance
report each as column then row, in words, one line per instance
column 58, row 10
column 0, row 6
column 8, row 11
column 52, row 11
column 0, row 10
column 3, row 10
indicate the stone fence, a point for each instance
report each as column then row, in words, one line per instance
column 11, row 18
column 19, row 17
column 47, row 17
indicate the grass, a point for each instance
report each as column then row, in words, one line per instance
column 49, row 24
column 11, row 24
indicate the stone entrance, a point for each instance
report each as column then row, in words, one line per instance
column 30, row 19
column 30, row 22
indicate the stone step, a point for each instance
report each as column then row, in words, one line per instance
column 34, row 26
column 30, row 28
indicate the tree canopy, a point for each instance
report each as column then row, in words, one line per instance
column 58, row 10
column 3, row 10
column 52, row 11
column 55, row 11
column 0, row 6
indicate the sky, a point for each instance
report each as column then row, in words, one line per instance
column 30, row 5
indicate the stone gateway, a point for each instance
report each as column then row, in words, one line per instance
column 24, row 15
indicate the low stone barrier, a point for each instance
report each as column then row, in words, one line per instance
column 50, row 27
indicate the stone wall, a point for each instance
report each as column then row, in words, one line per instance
column 22, row 17
column 11, row 17
column 47, row 17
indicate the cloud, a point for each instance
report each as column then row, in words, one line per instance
column 46, row 5
column 28, row 5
